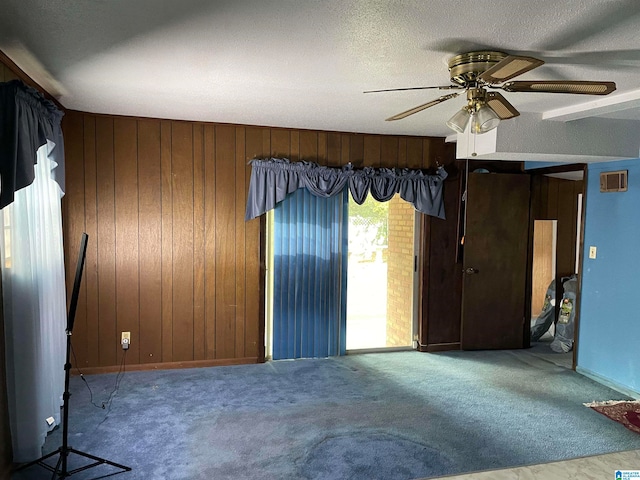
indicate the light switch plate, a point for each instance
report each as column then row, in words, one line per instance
column 592, row 252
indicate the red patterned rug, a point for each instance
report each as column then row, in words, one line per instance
column 622, row 411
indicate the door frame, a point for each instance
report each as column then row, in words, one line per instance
column 575, row 167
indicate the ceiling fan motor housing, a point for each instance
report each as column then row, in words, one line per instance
column 465, row 68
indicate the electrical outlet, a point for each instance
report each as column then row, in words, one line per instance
column 125, row 340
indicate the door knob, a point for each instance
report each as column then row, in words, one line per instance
column 471, row 271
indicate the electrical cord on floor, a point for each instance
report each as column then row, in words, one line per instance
column 106, row 404
column 119, row 378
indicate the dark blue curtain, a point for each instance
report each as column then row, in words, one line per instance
column 27, row 122
column 310, row 275
column 273, row 179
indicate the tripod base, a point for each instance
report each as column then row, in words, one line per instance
column 60, row 469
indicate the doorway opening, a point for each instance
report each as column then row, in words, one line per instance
column 380, row 281
column 556, row 262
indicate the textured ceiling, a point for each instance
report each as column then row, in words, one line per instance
column 305, row 63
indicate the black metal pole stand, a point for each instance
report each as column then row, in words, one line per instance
column 60, row 470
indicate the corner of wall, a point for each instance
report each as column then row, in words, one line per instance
column 609, row 328
column 609, row 383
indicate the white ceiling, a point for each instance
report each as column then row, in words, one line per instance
column 305, row 63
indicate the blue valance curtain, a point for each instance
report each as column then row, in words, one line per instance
column 27, row 121
column 273, row 179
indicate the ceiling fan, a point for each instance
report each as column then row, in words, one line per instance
column 483, row 71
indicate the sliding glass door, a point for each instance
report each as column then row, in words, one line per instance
column 340, row 276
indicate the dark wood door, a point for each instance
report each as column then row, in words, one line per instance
column 495, row 261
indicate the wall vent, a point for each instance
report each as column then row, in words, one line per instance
column 613, row 181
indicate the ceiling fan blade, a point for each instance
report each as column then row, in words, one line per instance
column 499, row 104
column 509, row 67
column 561, row 86
column 424, row 106
column 441, row 87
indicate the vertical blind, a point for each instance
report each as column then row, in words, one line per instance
column 310, row 282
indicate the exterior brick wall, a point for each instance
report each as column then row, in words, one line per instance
column 400, row 273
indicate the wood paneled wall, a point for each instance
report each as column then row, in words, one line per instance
column 6, row 74
column 170, row 257
column 442, row 273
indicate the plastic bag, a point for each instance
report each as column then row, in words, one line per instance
column 563, row 340
column 547, row 315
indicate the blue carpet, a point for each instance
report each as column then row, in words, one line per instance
column 401, row 415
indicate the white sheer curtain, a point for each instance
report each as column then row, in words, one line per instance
column 34, row 308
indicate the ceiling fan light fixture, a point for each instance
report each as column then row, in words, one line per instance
column 460, row 120
column 484, row 120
